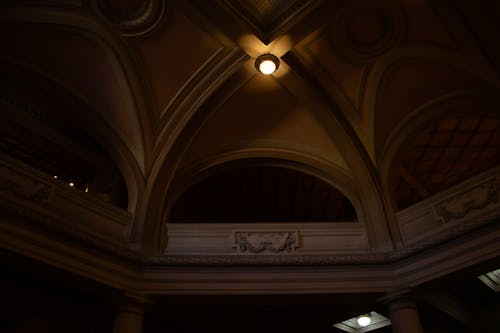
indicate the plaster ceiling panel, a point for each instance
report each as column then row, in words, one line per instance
column 266, row 15
column 342, row 52
column 412, row 83
column 261, row 114
column 87, row 68
column 342, row 74
column 360, row 34
column 172, row 55
column 424, row 24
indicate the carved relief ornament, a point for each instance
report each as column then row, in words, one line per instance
column 255, row 242
column 475, row 198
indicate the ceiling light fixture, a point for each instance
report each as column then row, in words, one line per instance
column 363, row 323
column 267, row 64
column 364, row 320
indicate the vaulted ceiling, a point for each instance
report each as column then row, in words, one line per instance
column 390, row 101
column 157, row 107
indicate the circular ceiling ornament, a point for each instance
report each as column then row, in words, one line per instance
column 132, row 17
column 362, row 32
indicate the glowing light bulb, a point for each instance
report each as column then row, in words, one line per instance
column 364, row 320
column 267, row 64
column 267, row 67
column 71, row 184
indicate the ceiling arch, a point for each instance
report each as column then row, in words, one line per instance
column 75, row 50
column 455, row 72
column 258, row 190
column 457, row 119
column 332, row 134
column 59, row 100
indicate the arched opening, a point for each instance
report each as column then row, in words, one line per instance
column 39, row 129
column 451, row 150
column 259, row 194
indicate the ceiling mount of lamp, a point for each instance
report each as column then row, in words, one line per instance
column 267, row 63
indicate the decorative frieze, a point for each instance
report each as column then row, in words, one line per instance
column 265, row 238
column 255, row 242
column 462, row 204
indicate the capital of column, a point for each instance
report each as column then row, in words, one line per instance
column 130, row 314
column 403, row 311
column 401, row 299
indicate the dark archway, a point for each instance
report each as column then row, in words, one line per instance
column 261, row 193
column 39, row 128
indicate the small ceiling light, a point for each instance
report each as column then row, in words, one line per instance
column 71, row 184
column 364, row 320
column 55, row 177
column 267, row 64
column 367, row 322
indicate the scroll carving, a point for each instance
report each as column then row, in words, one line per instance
column 23, row 187
column 475, row 198
column 265, row 241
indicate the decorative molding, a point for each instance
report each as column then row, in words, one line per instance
column 350, row 37
column 481, row 225
column 435, row 239
column 268, row 260
column 138, row 22
column 266, row 17
column 215, row 239
column 59, row 210
column 460, row 205
column 453, row 212
column 265, row 241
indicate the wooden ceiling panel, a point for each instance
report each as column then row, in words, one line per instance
column 261, row 194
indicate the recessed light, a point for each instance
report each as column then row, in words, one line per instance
column 364, row 320
column 491, row 279
column 267, row 64
column 71, row 184
column 363, row 323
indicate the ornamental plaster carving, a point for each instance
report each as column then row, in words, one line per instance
column 463, row 203
column 23, row 187
column 482, row 225
column 364, row 31
column 264, row 260
column 137, row 20
column 256, row 242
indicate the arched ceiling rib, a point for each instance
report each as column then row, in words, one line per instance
column 261, row 193
column 81, row 62
column 176, row 80
column 263, row 114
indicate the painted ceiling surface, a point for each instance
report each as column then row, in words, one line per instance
column 388, row 101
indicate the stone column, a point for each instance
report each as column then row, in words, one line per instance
column 403, row 313
column 129, row 317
